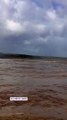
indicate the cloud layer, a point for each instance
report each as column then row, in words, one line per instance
column 34, row 27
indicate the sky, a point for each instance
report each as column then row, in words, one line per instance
column 34, row 27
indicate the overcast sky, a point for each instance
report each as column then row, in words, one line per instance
column 36, row 27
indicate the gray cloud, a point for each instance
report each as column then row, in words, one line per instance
column 34, row 27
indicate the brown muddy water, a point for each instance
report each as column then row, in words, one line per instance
column 44, row 82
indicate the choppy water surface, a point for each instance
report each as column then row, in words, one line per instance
column 43, row 82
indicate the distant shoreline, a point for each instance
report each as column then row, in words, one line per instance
column 21, row 56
